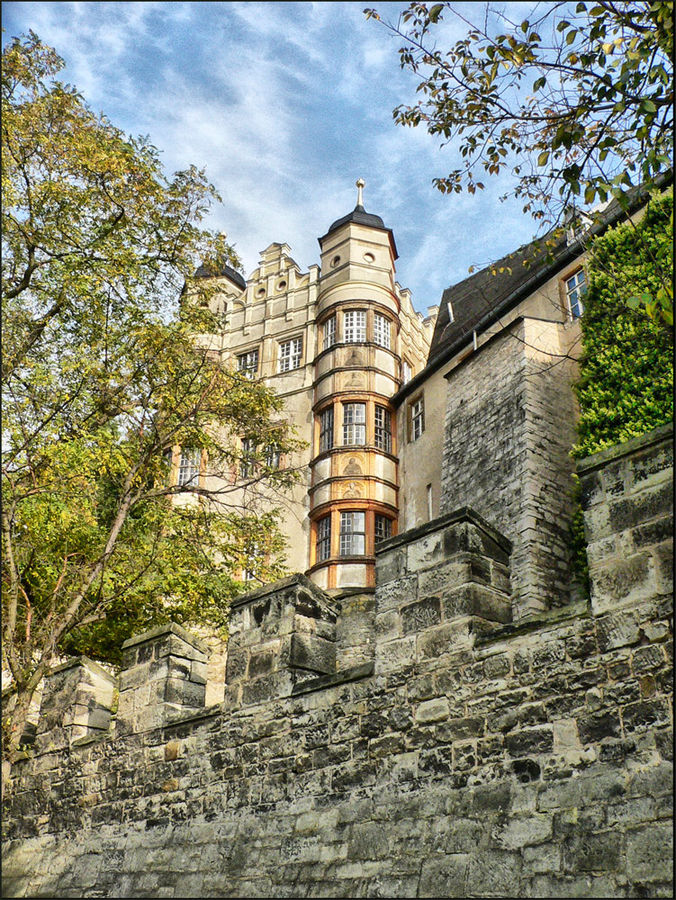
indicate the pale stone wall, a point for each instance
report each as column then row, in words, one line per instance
column 477, row 757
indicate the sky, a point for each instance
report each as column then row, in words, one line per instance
column 286, row 105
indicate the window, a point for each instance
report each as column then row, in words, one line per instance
column 189, row 466
column 352, row 534
column 417, row 422
column 272, row 456
column 576, row 287
column 246, row 463
column 383, row 429
column 290, row 353
column 381, row 330
column 383, row 529
column 247, row 363
column 354, row 423
column 354, row 326
column 329, row 332
column 405, row 372
column 326, row 429
column 323, row 538
column 253, row 563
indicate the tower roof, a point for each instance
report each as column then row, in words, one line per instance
column 219, row 272
column 359, row 216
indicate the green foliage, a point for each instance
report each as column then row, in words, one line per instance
column 626, row 383
column 105, row 377
column 578, row 104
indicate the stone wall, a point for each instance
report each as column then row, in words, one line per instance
column 509, row 428
column 473, row 756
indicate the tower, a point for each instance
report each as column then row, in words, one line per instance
column 358, row 368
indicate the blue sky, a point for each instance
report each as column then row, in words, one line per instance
column 286, row 105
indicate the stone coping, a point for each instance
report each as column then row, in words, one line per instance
column 464, row 514
column 171, row 628
column 603, row 457
column 82, row 661
column 354, row 673
column 579, row 610
column 281, row 585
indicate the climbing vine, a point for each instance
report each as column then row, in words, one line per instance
column 626, row 372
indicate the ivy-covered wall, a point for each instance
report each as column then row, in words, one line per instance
column 626, row 383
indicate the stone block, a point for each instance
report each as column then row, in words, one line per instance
column 523, row 831
column 312, row 653
column 396, row 593
column 621, row 582
column 435, row 710
column 434, row 642
column 160, row 686
column 650, row 853
column 640, row 508
column 617, row 630
column 390, row 564
column 395, row 655
column 495, row 872
column 593, row 852
column 76, row 702
column 529, row 741
column 477, row 600
column 421, row 615
column 444, row 876
column 597, row 726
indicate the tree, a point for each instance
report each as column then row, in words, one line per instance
column 577, row 102
column 107, row 392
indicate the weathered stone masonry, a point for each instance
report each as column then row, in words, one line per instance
column 468, row 755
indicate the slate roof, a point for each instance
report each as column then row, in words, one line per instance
column 483, row 297
column 227, row 271
column 360, row 217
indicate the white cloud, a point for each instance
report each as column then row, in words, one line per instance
column 286, row 104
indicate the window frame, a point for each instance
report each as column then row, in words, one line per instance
column 354, row 426
column 382, row 331
column 189, row 460
column 406, row 371
column 330, row 332
column 579, row 289
column 354, row 332
column 248, row 371
column 379, row 518
column 323, row 539
column 326, row 421
column 383, row 430
column 416, row 418
column 246, row 462
column 294, row 354
column 347, row 535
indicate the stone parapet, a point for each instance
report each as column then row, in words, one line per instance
column 437, row 586
column 77, row 697
column 163, row 675
column 627, row 500
column 280, row 634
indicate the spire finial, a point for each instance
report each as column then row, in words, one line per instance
column 360, row 187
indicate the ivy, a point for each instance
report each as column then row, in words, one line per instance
column 626, row 374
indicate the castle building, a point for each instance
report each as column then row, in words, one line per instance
column 409, row 418
column 336, row 343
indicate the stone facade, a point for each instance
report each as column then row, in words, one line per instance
column 509, row 427
column 468, row 755
column 335, row 344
